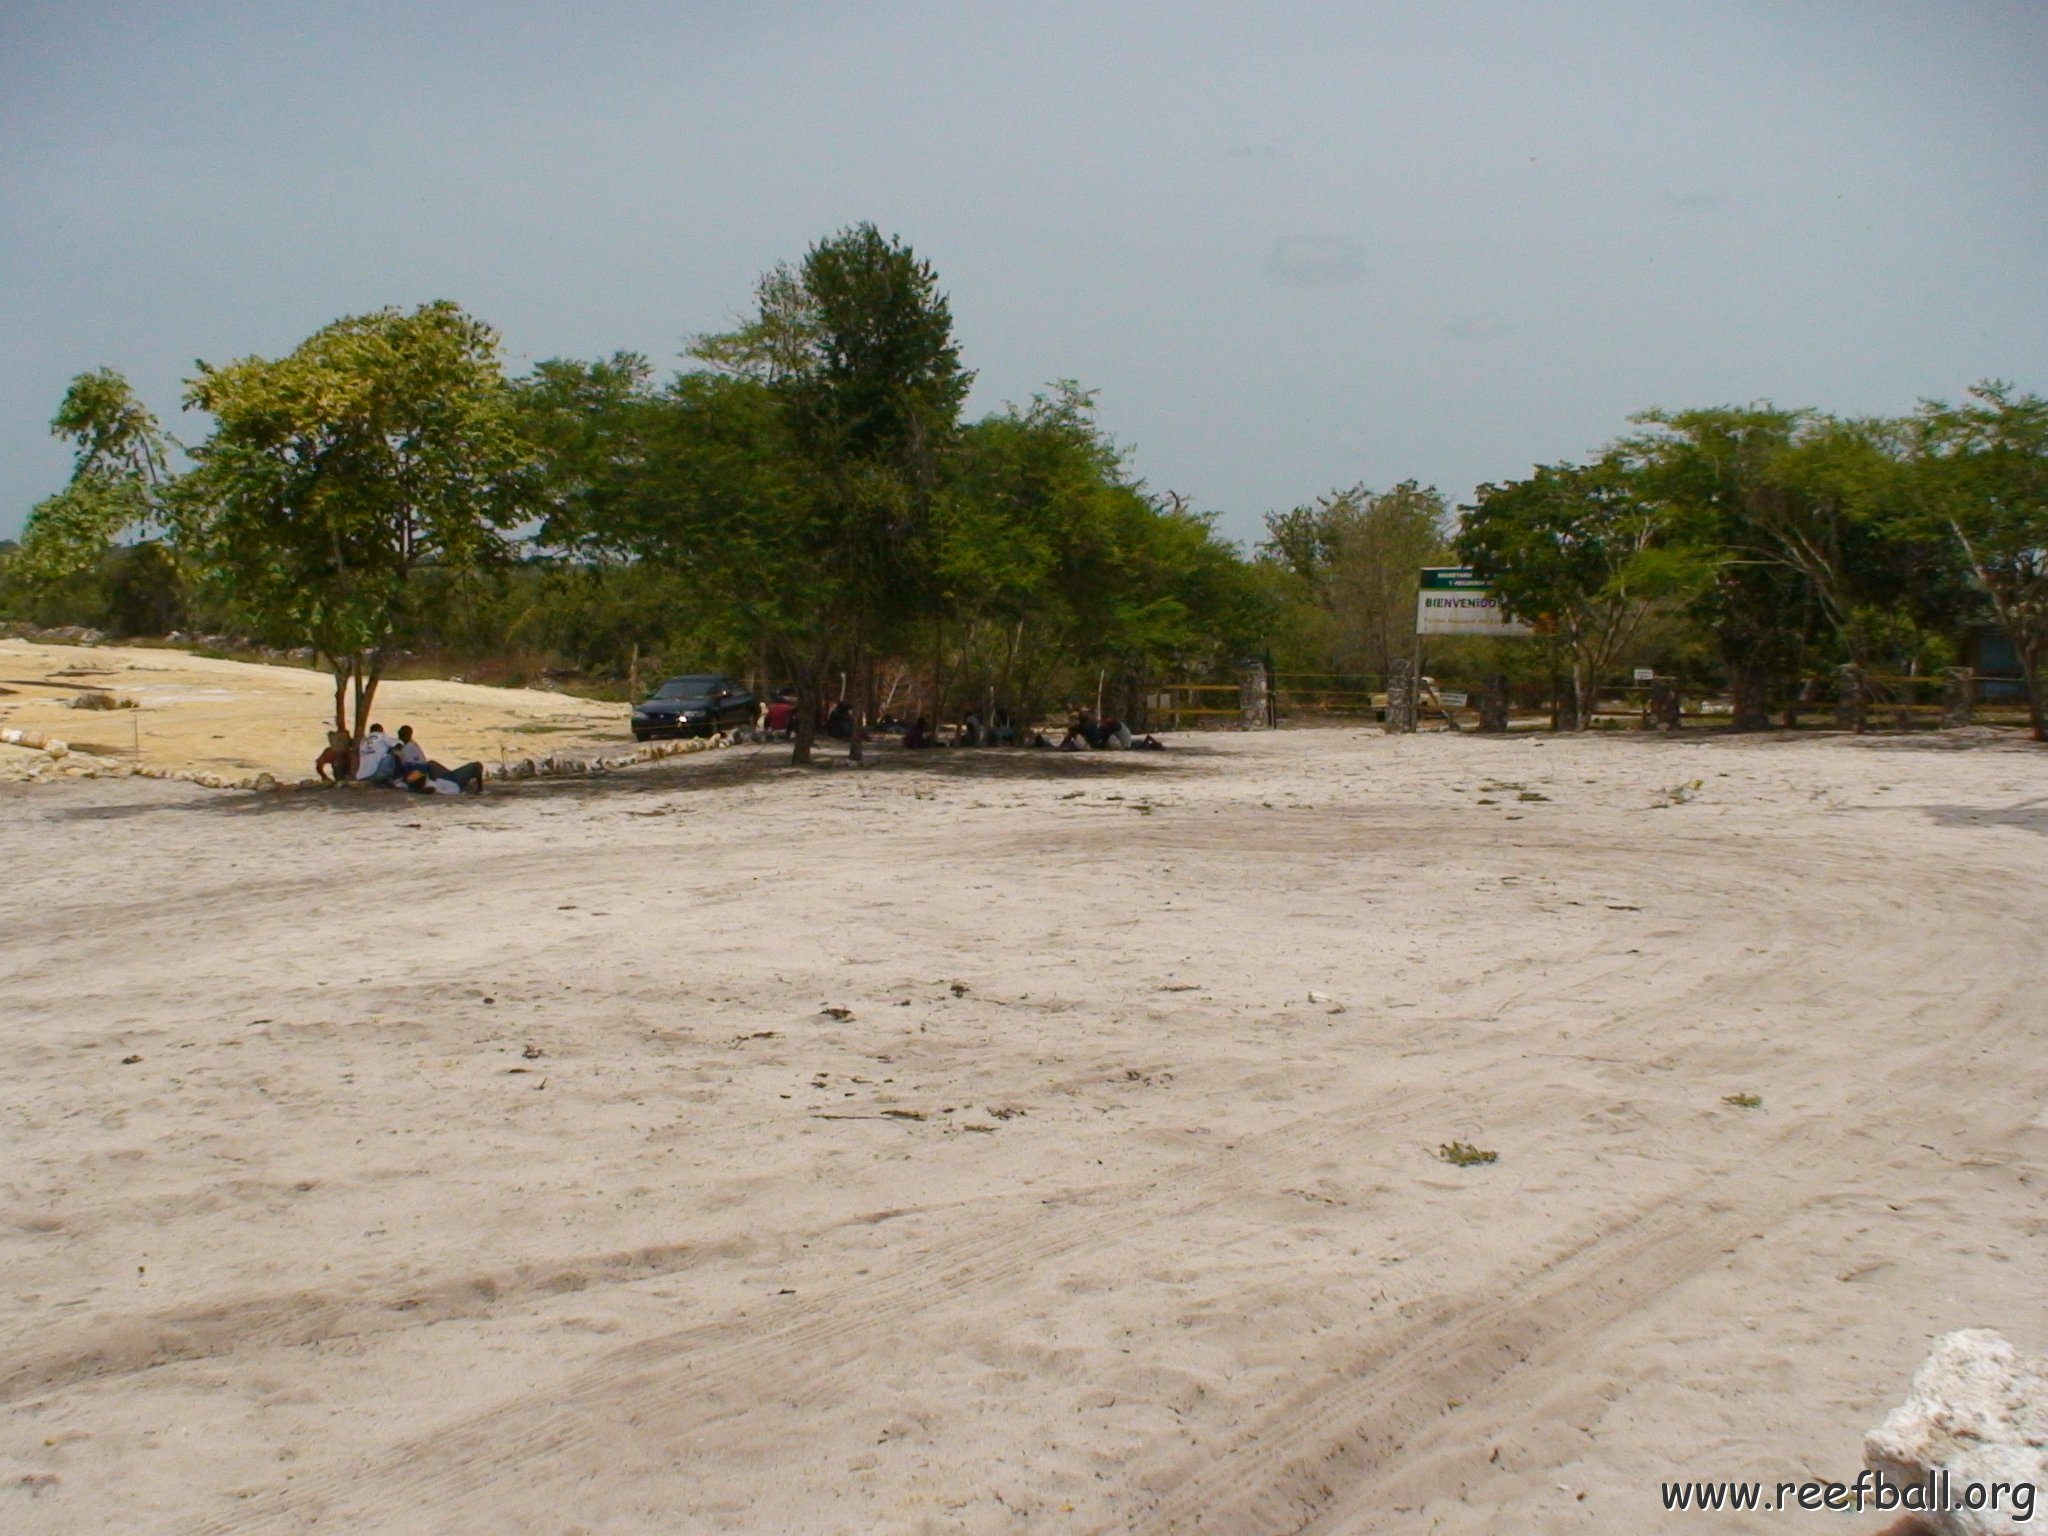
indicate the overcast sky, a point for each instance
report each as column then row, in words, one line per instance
column 1293, row 246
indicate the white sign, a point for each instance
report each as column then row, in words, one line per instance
column 1646, row 674
column 1455, row 602
column 1451, row 699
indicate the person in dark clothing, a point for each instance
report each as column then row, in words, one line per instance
column 1083, row 731
column 839, row 724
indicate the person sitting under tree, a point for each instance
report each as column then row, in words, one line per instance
column 338, row 759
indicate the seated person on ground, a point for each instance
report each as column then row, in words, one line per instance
column 920, row 734
column 377, row 758
column 410, row 753
column 335, row 761
column 1082, row 731
column 839, row 723
column 433, row 779
column 972, row 733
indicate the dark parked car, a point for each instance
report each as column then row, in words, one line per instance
column 693, row 706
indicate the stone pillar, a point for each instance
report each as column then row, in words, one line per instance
column 1849, row 698
column 1955, row 697
column 1253, row 696
column 1667, row 710
column 1400, row 697
column 1493, row 703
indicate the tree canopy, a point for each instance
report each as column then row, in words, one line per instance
column 384, row 444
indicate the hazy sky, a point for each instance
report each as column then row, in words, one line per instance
column 1293, row 246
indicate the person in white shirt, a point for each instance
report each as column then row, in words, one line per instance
column 410, row 753
column 376, row 762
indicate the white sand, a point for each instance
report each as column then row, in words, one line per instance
column 489, row 1166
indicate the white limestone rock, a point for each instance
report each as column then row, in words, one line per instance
column 1975, row 1418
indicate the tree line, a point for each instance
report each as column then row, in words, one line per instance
column 806, row 501
column 804, row 498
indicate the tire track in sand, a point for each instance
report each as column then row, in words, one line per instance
column 1276, row 1474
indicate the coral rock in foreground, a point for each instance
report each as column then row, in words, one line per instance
column 1974, row 1424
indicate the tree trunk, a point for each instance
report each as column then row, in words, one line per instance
column 1004, row 697
column 341, row 674
column 1493, row 704
column 861, row 687
column 806, row 723
column 1584, row 694
column 810, row 690
column 369, row 673
column 2030, row 670
column 1749, row 686
column 1852, row 697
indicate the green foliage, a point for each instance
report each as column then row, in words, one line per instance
column 1581, row 553
column 1351, row 560
column 1808, row 522
column 117, row 478
column 383, row 445
column 1980, row 470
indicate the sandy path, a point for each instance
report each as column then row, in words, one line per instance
column 1109, row 1207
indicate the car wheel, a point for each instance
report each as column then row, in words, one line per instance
column 641, row 735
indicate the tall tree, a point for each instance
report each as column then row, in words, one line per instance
column 856, row 345
column 384, row 443
column 1983, row 474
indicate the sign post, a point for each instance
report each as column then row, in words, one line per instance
column 1453, row 601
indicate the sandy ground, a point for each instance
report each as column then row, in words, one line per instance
column 236, row 718
column 1011, row 1142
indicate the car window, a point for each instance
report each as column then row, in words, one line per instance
column 688, row 688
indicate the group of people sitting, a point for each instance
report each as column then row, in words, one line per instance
column 1083, row 731
column 398, row 762
column 778, row 721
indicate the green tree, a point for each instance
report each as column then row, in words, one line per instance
column 1353, row 557
column 1982, row 473
column 1802, row 517
column 1378, row 544
column 1578, row 551
column 856, row 349
column 119, row 477
column 1058, row 570
column 384, row 444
